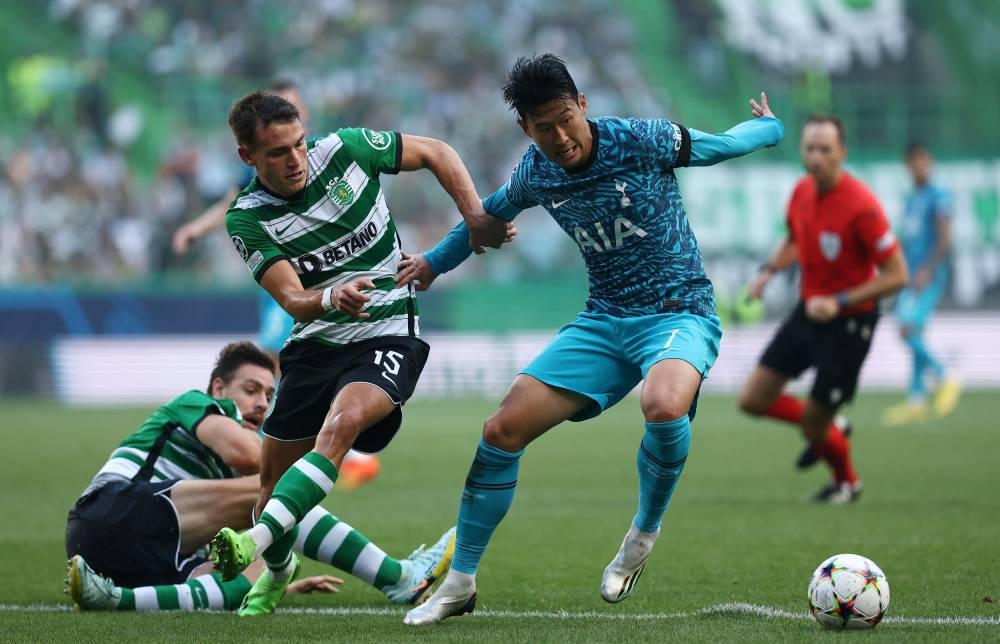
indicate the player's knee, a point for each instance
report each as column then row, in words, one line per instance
column 749, row 404
column 498, row 433
column 339, row 432
column 664, row 409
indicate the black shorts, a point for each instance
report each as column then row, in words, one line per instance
column 128, row 531
column 837, row 349
column 313, row 373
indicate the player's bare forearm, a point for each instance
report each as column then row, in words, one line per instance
column 892, row 276
column 448, row 168
column 306, row 305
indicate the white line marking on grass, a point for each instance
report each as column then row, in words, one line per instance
column 733, row 608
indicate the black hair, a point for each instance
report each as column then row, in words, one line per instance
column 233, row 356
column 534, row 81
column 829, row 118
column 258, row 109
column 916, row 148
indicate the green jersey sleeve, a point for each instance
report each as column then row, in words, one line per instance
column 376, row 152
column 192, row 407
column 253, row 244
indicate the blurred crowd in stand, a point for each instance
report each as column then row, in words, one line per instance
column 74, row 208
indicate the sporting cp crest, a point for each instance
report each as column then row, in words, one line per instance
column 340, row 191
column 829, row 245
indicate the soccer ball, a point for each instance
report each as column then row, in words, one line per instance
column 848, row 591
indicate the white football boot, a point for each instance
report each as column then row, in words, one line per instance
column 622, row 574
column 455, row 596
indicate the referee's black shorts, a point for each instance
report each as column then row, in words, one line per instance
column 837, row 349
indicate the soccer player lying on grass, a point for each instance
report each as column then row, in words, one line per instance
column 190, row 469
column 609, row 183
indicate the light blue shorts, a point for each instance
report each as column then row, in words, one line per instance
column 275, row 324
column 604, row 357
column 914, row 308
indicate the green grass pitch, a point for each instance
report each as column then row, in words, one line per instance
column 738, row 531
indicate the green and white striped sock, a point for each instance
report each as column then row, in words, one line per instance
column 204, row 592
column 300, row 489
column 325, row 538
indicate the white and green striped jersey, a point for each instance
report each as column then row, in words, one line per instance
column 181, row 455
column 337, row 229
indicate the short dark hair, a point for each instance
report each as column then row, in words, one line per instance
column 534, row 81
column 258, row 109
column 916, row 148
column 233, row 356
column 829, row 118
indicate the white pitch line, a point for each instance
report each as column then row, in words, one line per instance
column 734, row 608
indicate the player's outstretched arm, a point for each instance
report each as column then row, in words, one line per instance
column 315, row 584
column 442, row 160
column 212, row 218
column 282, row 282
column 763, row 131
column 423, row 268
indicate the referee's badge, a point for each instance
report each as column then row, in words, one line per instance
column 829, row 245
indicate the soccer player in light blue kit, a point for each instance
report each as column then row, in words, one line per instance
column 926, row 238
column 609, row 183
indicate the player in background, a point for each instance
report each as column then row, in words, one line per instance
column 315, row 231
column 275, row 324
column 926, row 238
column 849, row 259
column 609, row 183
column 191, row 468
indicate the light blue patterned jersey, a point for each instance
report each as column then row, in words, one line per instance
column 624, row 210
column 919, row 234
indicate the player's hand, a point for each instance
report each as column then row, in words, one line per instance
column 822, row 308
column 511, row 232
column 182, row 239
column 318, row 584
column 416, row 269
column 755, row 290
column 486, row 231
column 761, row 109
column 350, row 298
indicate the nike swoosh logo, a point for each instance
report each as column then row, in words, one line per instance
column 279, row 233
column 556, row 204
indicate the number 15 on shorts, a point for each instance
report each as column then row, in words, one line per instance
column 389, row 361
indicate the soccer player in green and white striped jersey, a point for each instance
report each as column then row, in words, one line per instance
column 190, row 469
column 315, row 231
